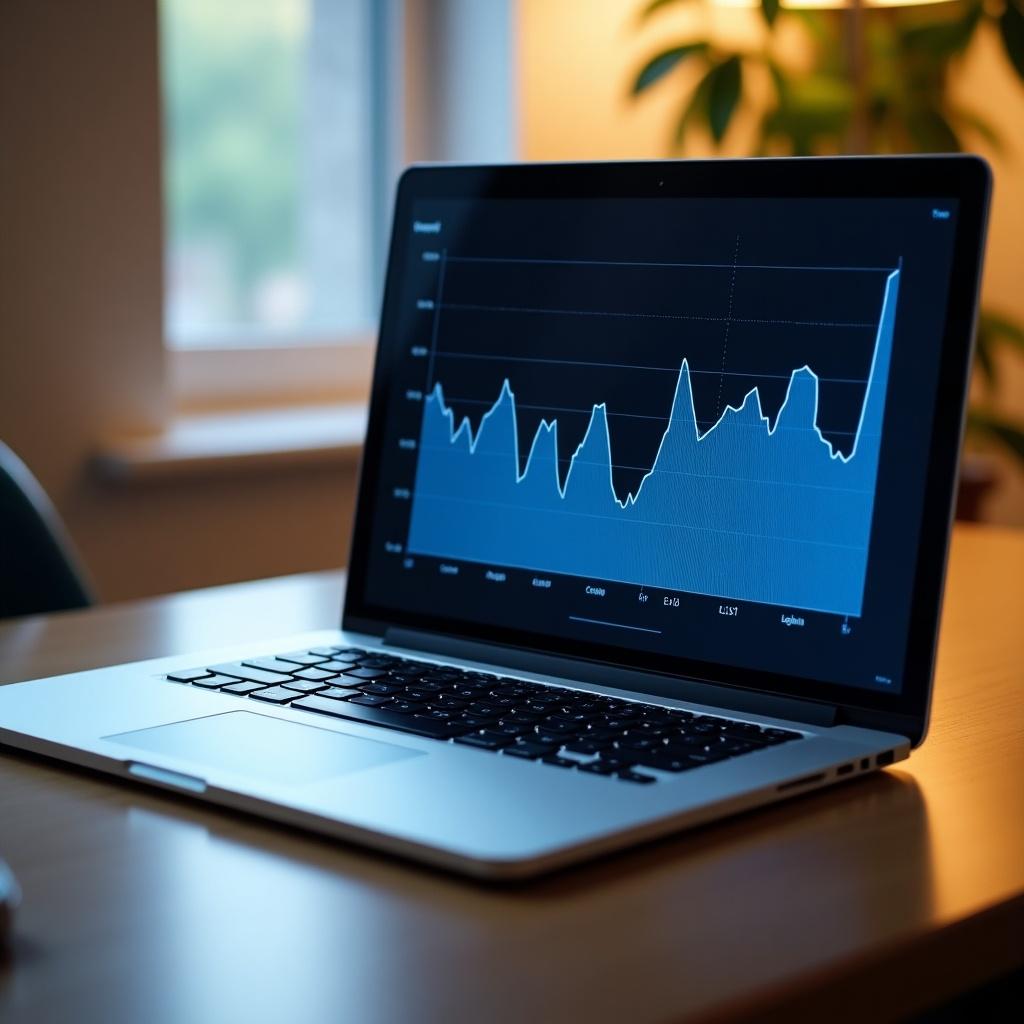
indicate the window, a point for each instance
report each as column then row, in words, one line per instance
column 270, row 223
column 287, row 122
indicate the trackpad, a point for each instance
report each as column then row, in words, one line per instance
column 265, row 748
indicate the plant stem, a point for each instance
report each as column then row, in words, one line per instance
column 858, row 134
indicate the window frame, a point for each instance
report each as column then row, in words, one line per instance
column 419, row 50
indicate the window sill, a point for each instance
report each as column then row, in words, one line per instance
column 239, row 441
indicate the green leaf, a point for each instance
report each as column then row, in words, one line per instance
column 931, row 132
column 769, row 11
column 696, row 107
column 662, row 63
column 779, row 80
column 1011, row 28
column 944, row 38
column 1004, row 330
column 723, row 96
column 994, row 330
column 983, row 343
column 999, row 428
column 812, row 110
column 656, row 5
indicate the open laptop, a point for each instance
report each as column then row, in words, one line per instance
column 652, row 524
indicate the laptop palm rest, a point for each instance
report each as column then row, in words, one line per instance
column 265, row 748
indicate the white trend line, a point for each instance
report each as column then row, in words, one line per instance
column 551, row 426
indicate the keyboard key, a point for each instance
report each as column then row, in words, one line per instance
column 370, row 700
column 188, row 675
column 348, row 653
column 323, row 652
column 472, row 721
column 636, row 777
column 517, row 718
column 559, row 727
column 405, row 707
column 485, row 710
column 618, row 763
column 560, row 762
column 587, row 746
column 382, row 689
column 302, row 686
column 530, row 751
column 252, row 675
column 444, row 702
column 303, row 658
column 376, row 662
column 543, row 736
column 314, row 675
column 338, row 693
column 365, row 673
column 596, row 768
column 214, row 682
column 274, row 695
column 428, row 687
column 484, row 740
column 634, row 745
column 241, row 689
column 538, row 707
column 334, row 665
column 502, row 702
column 441, row 716
column 511, row 729
column 667, row 762
column 272, row 665
column 417, row 693
column 414, row 724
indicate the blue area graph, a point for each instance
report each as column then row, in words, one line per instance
column 748, row 510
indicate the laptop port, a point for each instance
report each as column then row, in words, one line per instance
column 865, row 764
column 884, row 759
column 844, row 769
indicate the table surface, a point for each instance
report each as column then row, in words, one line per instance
column 876, row 897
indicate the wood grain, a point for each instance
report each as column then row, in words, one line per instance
column 864, row 902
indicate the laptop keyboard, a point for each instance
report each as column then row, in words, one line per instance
column 567, row 729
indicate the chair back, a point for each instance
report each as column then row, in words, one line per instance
column 39, row 570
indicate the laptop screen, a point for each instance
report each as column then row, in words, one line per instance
column 695, row 427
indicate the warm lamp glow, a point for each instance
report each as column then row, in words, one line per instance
column 830, row 4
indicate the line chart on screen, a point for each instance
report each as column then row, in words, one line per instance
column 709, row 428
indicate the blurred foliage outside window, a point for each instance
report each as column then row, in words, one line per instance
column 267, row 170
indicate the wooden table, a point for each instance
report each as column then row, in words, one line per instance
column 866, row 901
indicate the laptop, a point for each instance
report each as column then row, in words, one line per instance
column 652, row 523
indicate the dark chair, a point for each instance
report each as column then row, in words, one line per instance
column 39, row 571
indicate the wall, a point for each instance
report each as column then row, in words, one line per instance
column 578, row 58
column 81, row 332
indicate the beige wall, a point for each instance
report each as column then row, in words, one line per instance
column 81, row 333
column 578, row 58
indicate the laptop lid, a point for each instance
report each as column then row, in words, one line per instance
column 698, row 419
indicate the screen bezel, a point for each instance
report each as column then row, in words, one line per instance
column 965, row 178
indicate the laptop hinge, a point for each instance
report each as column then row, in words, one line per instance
column 637, row 681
